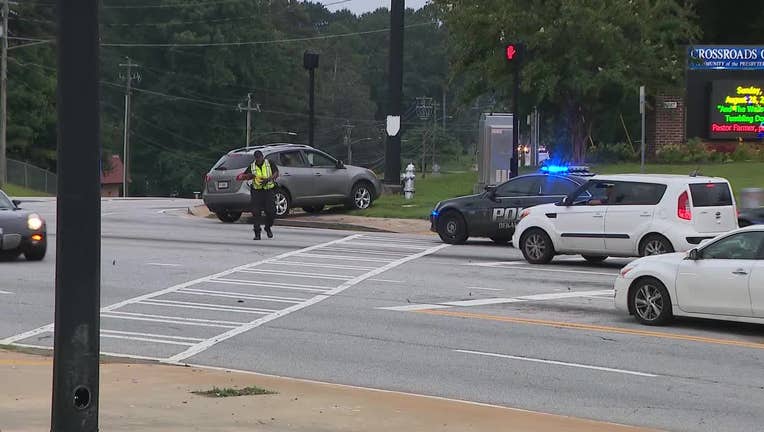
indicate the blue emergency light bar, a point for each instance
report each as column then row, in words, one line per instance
column 564, row 169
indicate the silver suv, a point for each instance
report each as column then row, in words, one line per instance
column 308, row 178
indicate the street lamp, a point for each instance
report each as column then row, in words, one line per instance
column 254, row 137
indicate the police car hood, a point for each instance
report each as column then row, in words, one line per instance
column 458, row 200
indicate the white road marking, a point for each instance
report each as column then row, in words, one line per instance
column 164, row 265
column 297, row 275
column 210, row 278
column 366, row 252
column 345, row 257
column 146, row 318
column 127, row 333
column 486, row 289
column 167, row 303
column 495, row 264
column 519, row 265
column 278, row 285
column 322, row 265
column 5, row 292
column 500, row 300
column 387, row 281
column 145, row 339
column 108, row 214
column 559, row 363
column 202, row 346
column 174, row 318
column 388, row 245
column 240, row 297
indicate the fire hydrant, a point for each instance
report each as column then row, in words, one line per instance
column 408, row 182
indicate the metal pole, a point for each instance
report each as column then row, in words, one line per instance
column 126, row 144
column 444, row 108
column 642, row 112
column 513, row 170
column 249, row 119
column 393, row 148
column 3, row 98
column 311, row 107
column 78, row 240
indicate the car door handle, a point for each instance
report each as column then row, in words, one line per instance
column 317, row 174
column 740, row 272
column 598, row 215
column 286, row 174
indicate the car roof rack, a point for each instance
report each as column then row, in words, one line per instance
column 264, row 146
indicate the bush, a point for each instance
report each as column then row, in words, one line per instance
column 747, row 152
column 613, row 153
column 693, row 152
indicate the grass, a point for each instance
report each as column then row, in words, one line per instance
column 19, row 191
column 431, row 189
column 232, row 392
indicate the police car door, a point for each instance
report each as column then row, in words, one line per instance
column 511, row 198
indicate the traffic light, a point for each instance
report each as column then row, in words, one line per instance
column 513, row 52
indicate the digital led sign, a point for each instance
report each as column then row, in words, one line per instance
column 736, row 110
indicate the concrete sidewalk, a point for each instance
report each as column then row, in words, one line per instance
column 328, row 220
column 156, row 397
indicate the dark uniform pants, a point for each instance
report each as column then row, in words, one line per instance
column 263, row 201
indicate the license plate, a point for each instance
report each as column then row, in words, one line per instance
column 222, row 185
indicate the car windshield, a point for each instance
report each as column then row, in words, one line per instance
column 5, row 202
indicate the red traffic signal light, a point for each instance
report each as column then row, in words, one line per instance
column 514, row 52
column 511, row 52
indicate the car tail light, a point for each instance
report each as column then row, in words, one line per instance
column 240, row 177
column 683, row 210
column 207, row 178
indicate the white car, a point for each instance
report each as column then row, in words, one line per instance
column 628, row 215
column 722, row 279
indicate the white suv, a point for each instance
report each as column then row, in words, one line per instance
column 628, row 215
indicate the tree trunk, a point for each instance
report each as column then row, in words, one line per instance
column 578, row 132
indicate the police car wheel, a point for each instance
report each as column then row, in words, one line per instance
column 36, row 253
column 501, row 240
column 537, row 247
column 227, row 216
column 594, row 259
column 452, row 228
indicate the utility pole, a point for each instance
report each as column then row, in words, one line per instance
column 444, row 108
column 434, row 129
column 78, row 221
column 395, row 80
column 348, row 130
column 128, row 77
column 310, row 62
column 424, row 110
column 3, row 98
column 249, row 108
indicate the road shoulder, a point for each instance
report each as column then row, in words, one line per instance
column 140, row 396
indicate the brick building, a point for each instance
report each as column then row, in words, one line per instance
column 111, row 179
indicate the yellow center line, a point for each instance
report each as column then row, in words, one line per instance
column 599, row 328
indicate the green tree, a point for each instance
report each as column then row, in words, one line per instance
column 583, row 57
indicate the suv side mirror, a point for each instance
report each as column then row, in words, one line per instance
column 563, row 202
column 340, row 164
column 16, row 202
column 693, row 255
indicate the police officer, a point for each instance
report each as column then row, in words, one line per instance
column 263, row 174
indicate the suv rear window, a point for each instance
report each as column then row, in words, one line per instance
column 234, row 161
column 711, row 194
column 632, row 193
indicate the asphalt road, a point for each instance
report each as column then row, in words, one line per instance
column 404, row 313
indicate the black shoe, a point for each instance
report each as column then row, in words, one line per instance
column 257, row 235
column 268, row 232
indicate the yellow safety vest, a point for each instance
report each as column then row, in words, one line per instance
column 260, row 173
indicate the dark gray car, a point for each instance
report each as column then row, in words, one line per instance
column 308, row 178
column 20, row 232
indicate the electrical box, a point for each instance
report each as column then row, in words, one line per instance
column 494, row 149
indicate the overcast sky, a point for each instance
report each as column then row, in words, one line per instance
column 361, row 6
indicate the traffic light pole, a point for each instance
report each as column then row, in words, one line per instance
column 78, row 233
column 513, row 165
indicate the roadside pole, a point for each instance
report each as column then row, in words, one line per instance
column 642, row 112
column 78, row 232
column 395, row 83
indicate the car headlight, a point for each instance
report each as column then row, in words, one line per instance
column 34, row 222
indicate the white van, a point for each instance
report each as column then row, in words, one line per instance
column 628, row 215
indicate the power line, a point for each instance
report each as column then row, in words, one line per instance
column 265, row 42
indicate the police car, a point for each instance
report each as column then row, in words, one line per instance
column 493, row 213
